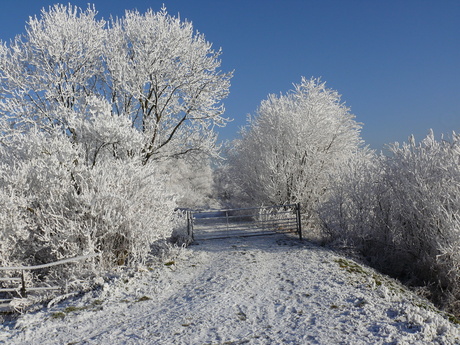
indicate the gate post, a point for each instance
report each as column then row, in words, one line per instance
column 23, row 285
column 190, row 225
column 299, row 220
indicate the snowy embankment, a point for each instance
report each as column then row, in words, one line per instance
column 266, row 290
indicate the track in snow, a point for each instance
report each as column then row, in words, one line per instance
column 265, row 290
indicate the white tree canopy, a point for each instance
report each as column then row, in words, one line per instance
column 52, row 67
column 166, row 77
column 151, row 68
column 287, row 152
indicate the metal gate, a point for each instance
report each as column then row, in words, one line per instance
column 242, row 222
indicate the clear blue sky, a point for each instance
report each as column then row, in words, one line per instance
column 395, row 62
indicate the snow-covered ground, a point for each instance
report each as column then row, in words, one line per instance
column 260, row 290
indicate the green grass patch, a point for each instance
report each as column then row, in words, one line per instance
column 453, row 319
column 72, row 309
column 143, row 298
column 58, row 315
column 378, row 279
column 350, row 267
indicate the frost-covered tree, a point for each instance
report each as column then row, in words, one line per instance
column 167, row 78
column 291, row 147
column 87, row 111
column 52, row 68
column 151, row 69
column 191, row 180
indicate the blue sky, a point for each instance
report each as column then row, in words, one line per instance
column 396, row 63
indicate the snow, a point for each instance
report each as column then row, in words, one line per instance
column 257, row 290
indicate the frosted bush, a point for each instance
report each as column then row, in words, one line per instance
column 349, row 214
column 36, row 176
column 128, row 208
column 424, row 180
column 402, row 213
column 56, row 206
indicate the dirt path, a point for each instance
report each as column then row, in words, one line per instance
column 271, row 290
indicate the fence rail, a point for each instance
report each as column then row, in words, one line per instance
column 21, row 289
column 241, row 222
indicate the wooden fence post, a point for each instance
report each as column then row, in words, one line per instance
column 23, row 287
column 299, row 221
column 190, row 224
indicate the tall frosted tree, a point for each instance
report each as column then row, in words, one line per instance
column 152, row 69
column 166, row 78
column 51, row 69
column 289, row 150
column 88, row 108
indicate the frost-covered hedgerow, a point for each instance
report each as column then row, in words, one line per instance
column 402, row 212
column 90, row 112
column 56, row 206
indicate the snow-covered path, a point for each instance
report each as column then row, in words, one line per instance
column 267, row 290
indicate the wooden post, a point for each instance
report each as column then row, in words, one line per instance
column 299, row 220
column 190, row 225
column 23, row 287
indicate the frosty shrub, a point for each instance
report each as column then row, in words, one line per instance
column 402, row 213
column 287, row 152
column 60, row 207
column 349, row 213
column 128, row 208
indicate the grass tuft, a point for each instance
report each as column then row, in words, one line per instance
column 143, row 298
column 58, row 315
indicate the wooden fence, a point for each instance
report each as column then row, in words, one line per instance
column 16, row 287
column 243, row 222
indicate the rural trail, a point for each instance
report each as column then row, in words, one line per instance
column 260, row 290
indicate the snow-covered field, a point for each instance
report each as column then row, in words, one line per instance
column 264, row 290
